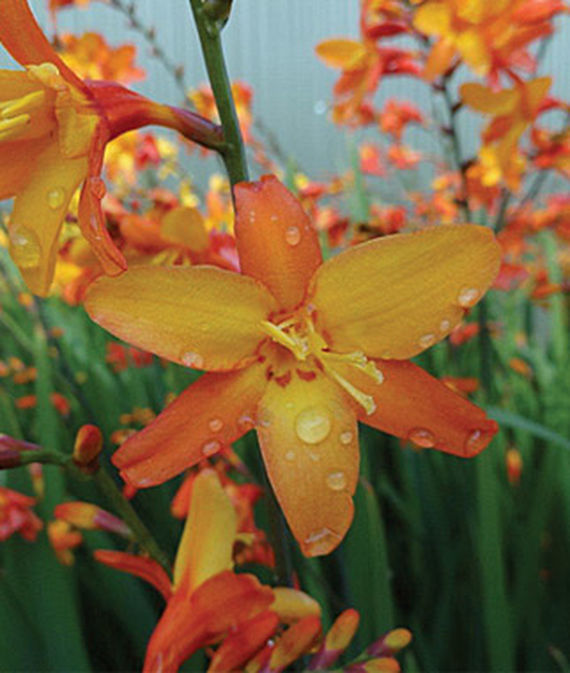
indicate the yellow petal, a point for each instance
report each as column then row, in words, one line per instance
column 395, row 296
column 203, row 317
column 309, row 440
column 474, row 51
column 185, row 226
column 15, row 160
column 433, row 18
column 340, row 53
column 207, row 542
column 39, row 210
column 485, row 100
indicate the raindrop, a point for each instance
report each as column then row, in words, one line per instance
column 215, row 425
column 313, row 424
column 56, row 198
column 468, row 296
column 290, row 456
column 245, row 422
column 346, row 437
column 475, row 442
column 211, row 447
column 336, row 481
column 191, row 359
column 427, row 340
column 293, row 235
column 25, row 247
column 422, row 437
column 97, row 187
column 321, row 542
column 444, row 325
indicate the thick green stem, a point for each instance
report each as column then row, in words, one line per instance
column 233, row 151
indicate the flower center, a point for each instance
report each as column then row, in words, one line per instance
column 299, row 335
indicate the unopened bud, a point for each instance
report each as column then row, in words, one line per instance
column 87, row 447
column 11, row 449
column 390, row 643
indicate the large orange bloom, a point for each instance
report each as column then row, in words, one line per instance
column 53, row 131
column 302, row 350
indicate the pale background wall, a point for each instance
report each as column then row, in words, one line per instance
column 270, row 44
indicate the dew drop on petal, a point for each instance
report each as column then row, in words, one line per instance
column 313, row 424
column 321, row 541
column 427, row 340
column 191, row 359
column 215, row 425
column 468, row 296
column 245, row 422
column 290, row 456
column 475, row 442
column 346, row 437
column 444, row 325
column 97, row 187
column 293, row 235
column 336, row 481
column 314, row 456
column 25, row 247
column 422, row 437
column 56, row 198
column 211, row 447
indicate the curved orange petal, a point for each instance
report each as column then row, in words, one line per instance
column 207, row 542
column 22, row 37
column 203, row 317
column 15, row 160
column 39, row 209
column 221, row 603
column 414, row 405
column 342, row 53
column 211, row 413
column 395, row 296
column 139, row 566
column 309, row 439
column 484, row 99
column 276, row 242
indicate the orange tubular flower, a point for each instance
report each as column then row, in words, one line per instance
column 16, row 515
column 302, row 350
column 207, row 600
column 53, row 131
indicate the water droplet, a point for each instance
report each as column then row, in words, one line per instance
column 290, row 456
column 475, row 442
column 422, row 437
column 427, row 340
column 313, row 424
column 321, row 542
column 211, row 447
column 468, row 296
column 346, row 437
column 97, row 187
column 274, row 218
column 191, row 359
column 444, row 325
column 245, row 422
column 95, row 229
column 314, row 456
column 293, row 235
column 25, row 247
column 56, row 198
column 336, row 481
column 215, row 425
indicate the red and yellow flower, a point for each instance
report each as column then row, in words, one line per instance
column 16, row 515
column 301, row 350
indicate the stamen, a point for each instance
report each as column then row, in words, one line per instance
column 25, row 104
column 365, row 401
column 281, row 337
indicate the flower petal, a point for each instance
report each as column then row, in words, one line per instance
column 15, row 160
column 139, row 566
column 484, row 99
column 413, row 405
column 39, row 209
column 342, row 53
column 207, row 542
column 395, row 296
column 22, row 37
column 276, row 242
column 211, row 413
column 203, row 317
column 309, row 440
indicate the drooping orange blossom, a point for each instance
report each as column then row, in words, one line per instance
column 207, row 601
column 53, row 130
column 302, row 350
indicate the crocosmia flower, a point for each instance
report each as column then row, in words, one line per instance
column 302, row 350
column 53, row 130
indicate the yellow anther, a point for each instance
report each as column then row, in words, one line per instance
column 365, row 401
column 11, row 128
column 25, row 104
column 281, row 337
column 47, row 74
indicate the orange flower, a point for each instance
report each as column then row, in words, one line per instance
column 207, row 600
column 63, row 539
column 53, row 131
column 487, row 36
column 16, row 515
column 302, row 350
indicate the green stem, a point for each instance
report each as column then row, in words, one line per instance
column 233, row 151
